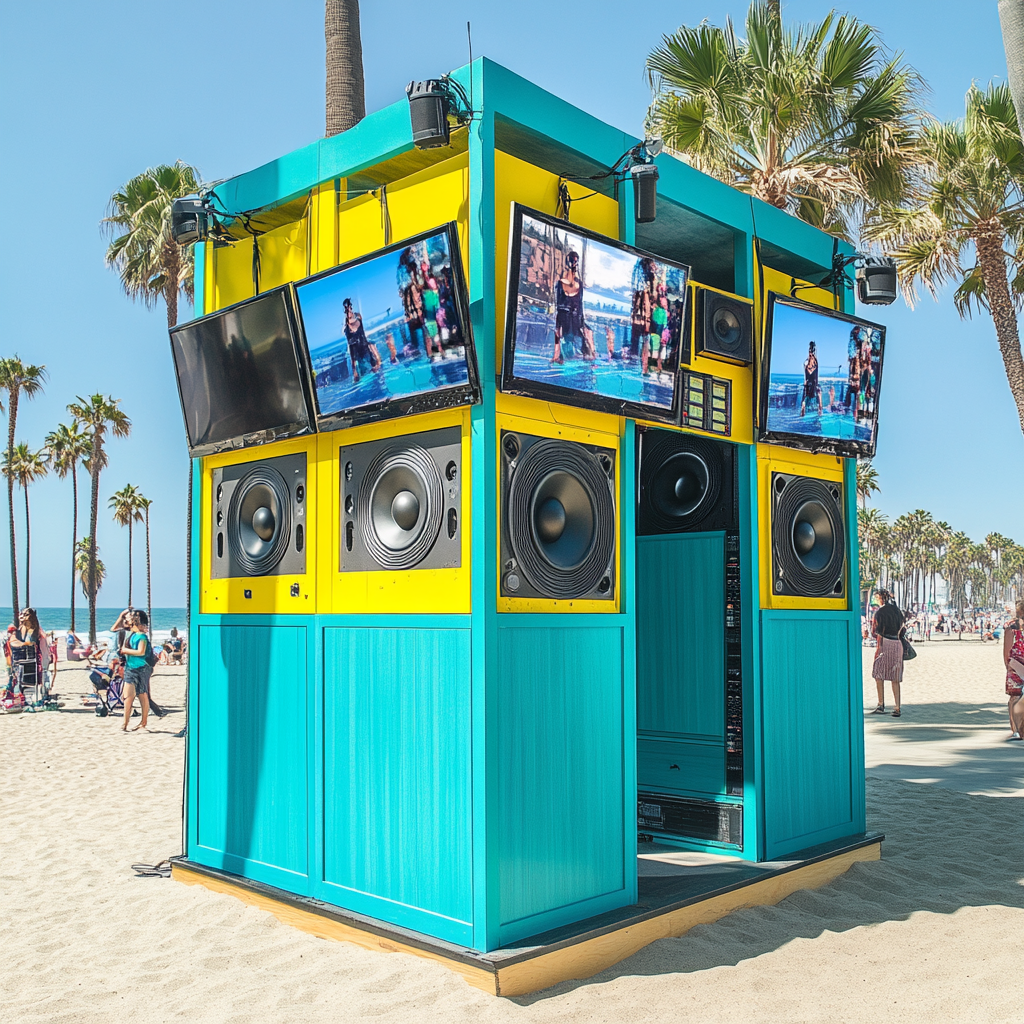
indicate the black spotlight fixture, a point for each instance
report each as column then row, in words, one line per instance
column 428, row 111
column 190, row 220
column 876, row 280
column 645, row 192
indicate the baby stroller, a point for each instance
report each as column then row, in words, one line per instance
column 109, row 685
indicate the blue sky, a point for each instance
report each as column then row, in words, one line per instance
column 91, row 94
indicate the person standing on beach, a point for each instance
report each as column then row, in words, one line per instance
column 137, row 669
column 887, row 627
column 122, row 624
column 1013, row 659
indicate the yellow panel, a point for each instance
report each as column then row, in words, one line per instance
column 424, row 591
column 776, row 459
column 324, row 227
column 270, row 594
column 284, row 255
column 551, row 428
column 520, row 182
column 422, row 201
column 231, row 274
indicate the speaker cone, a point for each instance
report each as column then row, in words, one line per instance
column 809, row 538
column 400, row 506
column 561, row 519
column 685, row 483
column 727, row 327
column 259, row 520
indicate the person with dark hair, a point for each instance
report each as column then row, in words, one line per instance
column 569, row 325
column 137, row 669
column 360, row 351
column 26, row 658
column 1013, row 659
column 811, row 388
column 887, row 627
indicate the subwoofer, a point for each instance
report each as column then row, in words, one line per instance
column 558, row 518
column 687, row 484
column 259, row 518
column 808, row 537
column 724, row 327
column 400, row 502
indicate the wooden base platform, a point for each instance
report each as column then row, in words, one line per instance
column 672, row 901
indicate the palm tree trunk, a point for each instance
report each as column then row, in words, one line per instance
column 345, row 99
column 149, row 581
column 172, row 268
column 28, row 554
column 12, row 420
column 129, row 563
column 74, row 537
column 95, row 459
column 988, row 240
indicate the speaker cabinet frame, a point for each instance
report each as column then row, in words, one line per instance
column 284, row 591
column 701, row 295
column 597, row 441
column 428, row 590
column 827, row 468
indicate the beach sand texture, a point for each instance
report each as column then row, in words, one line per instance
column 932, row 932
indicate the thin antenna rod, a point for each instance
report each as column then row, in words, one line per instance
column 469, row 37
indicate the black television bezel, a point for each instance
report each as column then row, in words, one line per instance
column 843, row 447
column 510, row 384
column 425, row 401
column 281, row 432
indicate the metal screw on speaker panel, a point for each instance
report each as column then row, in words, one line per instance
column 512, row 582
column 294, row 590
column 451, row 470
column 510, row 445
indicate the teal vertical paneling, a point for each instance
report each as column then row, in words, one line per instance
column 560, row 772
column 808, row 790
column 856, row 662
column 681, row 634
column 397, row 828
column 192, row 692
column 249, row 727
column 484, row 541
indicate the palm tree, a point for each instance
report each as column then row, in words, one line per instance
column 867, row 481
column 26, row 466
column 151, row 264
column 69, row 448
column 89, row 569
column 818, row 119
column 97, row 414
column 345, row 101
column 16, row 379
column 144, row 504
column 970, row 203
column 127, row 508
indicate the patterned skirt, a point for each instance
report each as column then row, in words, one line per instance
column 888, row 661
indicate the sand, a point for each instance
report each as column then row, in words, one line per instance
column 933, row 932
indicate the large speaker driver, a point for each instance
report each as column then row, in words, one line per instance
column 400, row 502
column 258, row 518
column 725, row 328
column 687, row 484
column 558, row 505
column 808, row 537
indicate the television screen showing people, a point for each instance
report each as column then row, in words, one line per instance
column 238, row 373
column 388, row 327
column 823, row 376
column 591, row 321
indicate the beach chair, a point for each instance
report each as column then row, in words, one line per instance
column 109, row 686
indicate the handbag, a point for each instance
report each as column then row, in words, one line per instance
column 909, row 654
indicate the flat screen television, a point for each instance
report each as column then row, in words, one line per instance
column 241, row 375
column 821, row 374
column 592, row 322
column 389, row 334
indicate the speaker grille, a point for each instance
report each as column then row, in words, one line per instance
column 808, row 537
column 401, row 505
column 559, row 518
column 687, row 484
column 258, row 518
column 726, row 327
column 396, row 495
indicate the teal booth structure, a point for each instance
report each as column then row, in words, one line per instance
column 470, row 777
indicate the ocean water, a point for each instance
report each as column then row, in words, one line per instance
column 58, row 620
